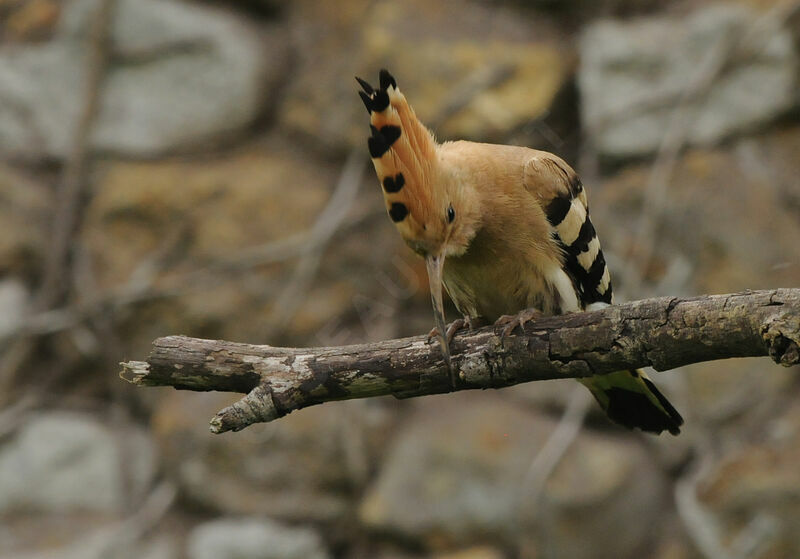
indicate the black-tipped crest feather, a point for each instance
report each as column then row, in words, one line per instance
column 380, row 100
column 394, row 184
column 377, row 145
column 390, row 133
column 368, row 89
column 367, row 101
column 386, row 79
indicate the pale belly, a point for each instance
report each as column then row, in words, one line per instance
column 488, row 288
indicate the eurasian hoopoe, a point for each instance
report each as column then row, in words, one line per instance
column 513, row 225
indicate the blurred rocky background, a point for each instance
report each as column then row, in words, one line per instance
column 201, row 168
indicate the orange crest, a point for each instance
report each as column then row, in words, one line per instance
column 404, row 155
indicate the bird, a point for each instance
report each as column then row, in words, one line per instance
column 506, row 231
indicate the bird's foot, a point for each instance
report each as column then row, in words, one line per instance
column 454, row 327
column 510, row 321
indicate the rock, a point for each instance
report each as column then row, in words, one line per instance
column 478, row 552
column 731, row 391
column 500, row 77
column 728, row 212
column 183, row 75
column 632, row 75
column 591, row 9
column 25, row 214
column 33, row 20
column 457, row 471
column 14, row 301
column 197, row 212
column 253, row 538
column 62, row 462
column 757, row 480
column 301, row 468
column 388, row 550
column 553, row 395
column 104, row 543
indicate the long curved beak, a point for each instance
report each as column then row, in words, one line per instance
column 435, row 265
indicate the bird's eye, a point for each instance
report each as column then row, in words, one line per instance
column 451, row 214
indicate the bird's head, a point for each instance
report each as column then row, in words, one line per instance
column 427, row 202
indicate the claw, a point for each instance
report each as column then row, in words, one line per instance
column 450, row 332
column 510, row 322
column 433, row 334
column 454, row 327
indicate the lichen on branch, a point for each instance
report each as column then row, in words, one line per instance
column 663, row 333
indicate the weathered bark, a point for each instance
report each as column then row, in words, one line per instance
column 663, row 333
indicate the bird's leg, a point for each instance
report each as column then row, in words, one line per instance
column 510, row 321
column 459, row 324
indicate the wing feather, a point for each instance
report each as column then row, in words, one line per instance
column 563, row 198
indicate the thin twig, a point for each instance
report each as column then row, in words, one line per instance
column 556, row 446
column 703, row 526
column 326, row 225
column 71, row 188
column 73, row 179
column 676, row 135
column 147, row 516
column 141, row 285
column 125, row 534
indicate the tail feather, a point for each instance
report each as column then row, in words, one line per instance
column 632, row 400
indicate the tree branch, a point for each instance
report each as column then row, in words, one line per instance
column 663, row 333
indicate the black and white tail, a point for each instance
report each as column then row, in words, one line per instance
column 628, row 397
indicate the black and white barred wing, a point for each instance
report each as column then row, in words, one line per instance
column 566, row 208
